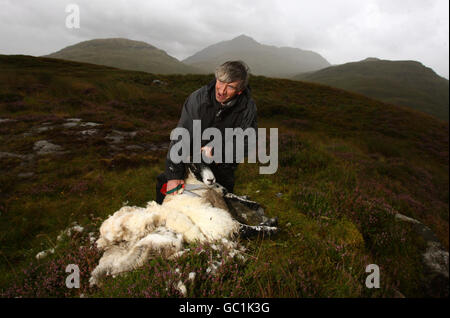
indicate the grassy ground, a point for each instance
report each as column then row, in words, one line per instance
column 347, row 164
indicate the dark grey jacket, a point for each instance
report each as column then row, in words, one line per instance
column 202, row 105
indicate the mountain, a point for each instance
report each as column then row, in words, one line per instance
column 125, row 54
column 78, row 140
column 262, row 59
column 406, row 83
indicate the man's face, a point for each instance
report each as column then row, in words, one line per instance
column 226, row 91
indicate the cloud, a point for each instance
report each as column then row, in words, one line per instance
column 342, row 31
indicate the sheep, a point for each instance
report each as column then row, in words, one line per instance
column 200, row 214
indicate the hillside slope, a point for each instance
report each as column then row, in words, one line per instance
column 406, row 83
column 125, row 54
column 78, row 141
column 262, row 59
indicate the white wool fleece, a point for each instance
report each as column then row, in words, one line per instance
column 132, row 234
column 212, row 223
column 128, row 224
column 124, row 257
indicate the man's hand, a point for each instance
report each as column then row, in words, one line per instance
column 171, row 184
column 207, row 150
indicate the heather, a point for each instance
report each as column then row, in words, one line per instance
column 347, row 165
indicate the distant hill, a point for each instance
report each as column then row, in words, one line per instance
column 406, row 83
column 124, row 54
column 263, row 59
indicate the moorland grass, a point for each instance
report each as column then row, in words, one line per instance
column 347, row 164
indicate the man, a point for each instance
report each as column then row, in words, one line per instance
column 225, row 102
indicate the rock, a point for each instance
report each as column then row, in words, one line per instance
column 88, row 132
column 435, row 260
column 11, row 155
column 43, row 147
column 89, row 124
column 117, row 136
column 70, row 125
column 131, row 134
column 44, row 128
column 25, row 175
column 158, row 82
column 114, row 139
column 6, row 120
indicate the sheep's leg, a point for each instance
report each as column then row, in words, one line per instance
column 248, row 230
column 253, row 206
column 272, row 222
column 244, row 200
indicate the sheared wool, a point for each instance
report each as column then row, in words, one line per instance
column 133, row 234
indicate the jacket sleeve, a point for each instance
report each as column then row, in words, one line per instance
column 248, row 120
column 177, row 170
column 251, row 121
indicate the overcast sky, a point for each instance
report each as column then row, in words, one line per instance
column 340, row 30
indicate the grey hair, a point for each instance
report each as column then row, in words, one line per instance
column 233, row 71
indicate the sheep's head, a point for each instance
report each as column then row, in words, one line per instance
column 202, row 173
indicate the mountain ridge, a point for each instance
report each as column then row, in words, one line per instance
column 405, row 82
column 266, row 60
column 125, row 54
